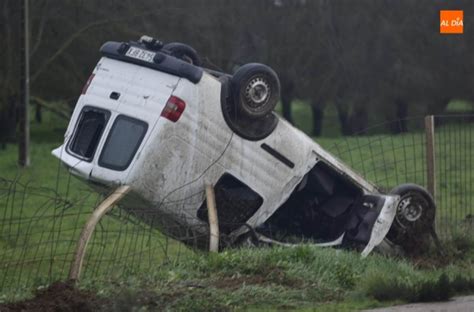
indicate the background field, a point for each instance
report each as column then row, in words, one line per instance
column 45, row 209
column 347, row 66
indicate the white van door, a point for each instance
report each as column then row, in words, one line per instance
column 141, row 94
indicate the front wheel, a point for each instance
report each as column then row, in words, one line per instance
column 414, row 219
column 183, row 52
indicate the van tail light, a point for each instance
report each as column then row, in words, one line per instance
column 88, row 83
column 173, row 108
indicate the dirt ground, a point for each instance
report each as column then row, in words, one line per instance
column 63, row 296
column 60, row 296
column 457, row 304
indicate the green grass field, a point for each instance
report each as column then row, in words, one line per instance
column 303, row 278
column 44, row 209
column 390, row 160
column 47, row 205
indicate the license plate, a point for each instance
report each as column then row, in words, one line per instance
column 140, row 54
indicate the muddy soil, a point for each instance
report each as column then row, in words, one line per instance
column 59, row 296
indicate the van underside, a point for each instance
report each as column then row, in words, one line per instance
column 322, row 208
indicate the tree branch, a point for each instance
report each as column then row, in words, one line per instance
column 61, row 113
column 75, row 35
column 64, row 46
column 39, row 37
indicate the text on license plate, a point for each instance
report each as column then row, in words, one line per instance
column 140, row 54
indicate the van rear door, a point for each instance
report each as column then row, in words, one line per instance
column 136, row 96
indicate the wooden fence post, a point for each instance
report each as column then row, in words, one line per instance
column 86, row 234
column 430, row 154
column 213, row 221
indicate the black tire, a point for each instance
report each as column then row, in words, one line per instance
column 183, row 52
column 255, row 90
column 414, row 219
column 253, row 129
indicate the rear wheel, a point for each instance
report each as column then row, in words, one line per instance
column 414, row 219
column 255, row 90
column 248, row 99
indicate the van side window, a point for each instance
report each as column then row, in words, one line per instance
column 122, row 143
column 235, row 203
column 88, row 132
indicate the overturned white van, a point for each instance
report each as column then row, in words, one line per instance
column 150, row 117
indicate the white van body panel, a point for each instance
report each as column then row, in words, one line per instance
column 169, row 171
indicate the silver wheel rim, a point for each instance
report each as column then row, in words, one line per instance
column 409, row 210
column 257, row 92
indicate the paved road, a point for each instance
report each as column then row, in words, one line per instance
column 457, row 304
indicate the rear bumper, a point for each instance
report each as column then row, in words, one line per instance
column 75, row 166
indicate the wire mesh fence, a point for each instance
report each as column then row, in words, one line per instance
column 40, row 226
column 384, row 159
column 389, row 160
column 455, row 173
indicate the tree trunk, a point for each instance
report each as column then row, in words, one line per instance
column 286, row 106
column 8, row 120
column 318, row 116
column 359, row 120
column 438, row 106
column 343, row 120
column 38, row 113
column 401, row 125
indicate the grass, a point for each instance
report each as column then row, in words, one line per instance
column 389, row 160
column 304, row 277
column 44, row 209
column 460, row 106
column 134, row 258
column 302, row 117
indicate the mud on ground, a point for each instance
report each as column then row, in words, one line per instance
column 59, row 296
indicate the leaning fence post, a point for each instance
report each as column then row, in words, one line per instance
column 213, row 222
column 86, row 234
column 430, row 155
